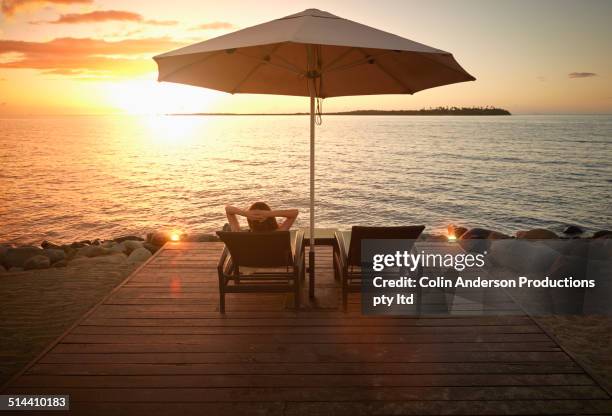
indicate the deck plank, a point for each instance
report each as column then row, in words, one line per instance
column 158, row 345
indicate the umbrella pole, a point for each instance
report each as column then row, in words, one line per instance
column 311, row 253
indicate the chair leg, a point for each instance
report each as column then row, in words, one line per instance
column 222, row 302
column 296, row 293
column 221, row 293
column 344, row 293
column 336, row 263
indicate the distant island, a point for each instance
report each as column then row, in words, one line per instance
column 438, row 111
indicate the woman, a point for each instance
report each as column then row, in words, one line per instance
column 261, row 218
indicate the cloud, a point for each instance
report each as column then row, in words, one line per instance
column 213, row 26
column 10, row 7
column 161, row 22
column 85, row 56
column 105, row 16
column 88, row 46
column 581, row 74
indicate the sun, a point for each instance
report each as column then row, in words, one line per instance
column 152, row 97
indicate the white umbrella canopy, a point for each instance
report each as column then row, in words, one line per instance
column 279, row 57
column 314, row 54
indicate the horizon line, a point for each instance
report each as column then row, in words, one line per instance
column 118, row 113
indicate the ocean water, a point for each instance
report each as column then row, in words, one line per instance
column 80, row 177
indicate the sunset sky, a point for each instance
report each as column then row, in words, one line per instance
column 94, row 56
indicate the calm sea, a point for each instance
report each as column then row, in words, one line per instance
column 78, row 177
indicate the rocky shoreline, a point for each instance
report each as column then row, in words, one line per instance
column 133, row 249
column 570, row 232
column 129, row 249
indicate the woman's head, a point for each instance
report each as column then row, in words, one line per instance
column 268, row 224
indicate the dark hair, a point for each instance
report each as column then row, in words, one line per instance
column 269, row 224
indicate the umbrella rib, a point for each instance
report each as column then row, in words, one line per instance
column 279, row 57
column 337, row 59
column 249, row 75
column 199, row 61
column 263, row 61
column 253, row 70
column 355, row 63
column 389, row 74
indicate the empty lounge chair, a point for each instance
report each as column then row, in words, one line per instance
column 347, row 252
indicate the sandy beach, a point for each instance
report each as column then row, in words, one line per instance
column 39, row 305
column 588, row 338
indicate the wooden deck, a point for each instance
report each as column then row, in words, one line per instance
column 158, row 346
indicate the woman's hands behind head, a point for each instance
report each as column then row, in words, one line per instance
column 257, row 214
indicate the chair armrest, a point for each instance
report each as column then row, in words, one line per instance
column 222, row 260
column 342, row 252
column 299, row 249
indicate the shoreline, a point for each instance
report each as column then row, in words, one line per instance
column 133, row 249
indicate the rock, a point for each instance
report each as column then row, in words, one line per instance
column 523, row 256
column 139, row 255
column 477, row 240
column 61, row 263
column 37, row 262
column 152, row 248
column 603, row 234
column 115, row 248
column 576, row 247
column 199, row 238
column 573, row 230
column 536, row 234
column 3, row 250
column 131, row 245
column 158, row 238
column 16, row 257
column 93, row 251
column 127, row 238
column 55, row 255
column 475, row 233
column 115, row 258
column 70, row 252
column 482, row 234
column 78, row 244
column 47, row 244
column 125, row 247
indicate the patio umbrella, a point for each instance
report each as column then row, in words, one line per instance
column 313, row 54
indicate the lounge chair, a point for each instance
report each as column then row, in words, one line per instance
column 347, row 252
column 261, row 262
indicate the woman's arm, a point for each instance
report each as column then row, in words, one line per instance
column 289, row 214
column 232, row 218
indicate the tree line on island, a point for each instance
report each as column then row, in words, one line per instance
column 431, row 111
column 436, row 111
